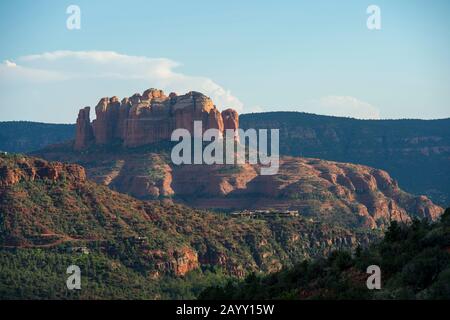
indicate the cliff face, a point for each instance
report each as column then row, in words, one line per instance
column 148, row 118
column 31, row 169
column 84, row 133
column 346, row 193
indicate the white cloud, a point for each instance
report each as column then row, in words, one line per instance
column 10, row 64
column 80, row 78
column 342, row 106
column 10, row 72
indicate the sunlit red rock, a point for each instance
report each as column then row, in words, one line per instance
column 149, row 118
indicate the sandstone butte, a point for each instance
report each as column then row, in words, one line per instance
column 148, row 118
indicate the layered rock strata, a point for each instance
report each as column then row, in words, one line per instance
column 149, row 118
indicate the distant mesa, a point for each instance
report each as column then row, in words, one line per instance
column 149, row 118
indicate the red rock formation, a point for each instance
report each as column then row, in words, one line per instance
column 230, row 119
column 191, row 107
column 84, row 134
column 368, row 195
column 106, row 124
column 30, row 169
column 178, row 261
column 186, row 260
column 122, row 120
column 215, row 120
column 150, row 117
column 9, row 176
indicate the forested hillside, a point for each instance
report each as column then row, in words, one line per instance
column 414, row 261
column 51, row 216
column 26, row 136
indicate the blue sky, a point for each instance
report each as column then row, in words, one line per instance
column 254, row 55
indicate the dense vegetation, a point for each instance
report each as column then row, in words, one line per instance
column 414, row 261
column 36, row 273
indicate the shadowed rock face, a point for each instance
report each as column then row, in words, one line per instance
column 149, row 118
column 230, row 119
column 84, row 133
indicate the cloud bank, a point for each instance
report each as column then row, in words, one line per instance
column 52, row 86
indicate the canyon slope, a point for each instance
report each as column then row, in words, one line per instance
column 414, row 152
column 52, row 212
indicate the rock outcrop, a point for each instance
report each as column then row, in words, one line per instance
column 333, row 191
column 16, row 169
column 149, row 118
column 230, row 119
column 84, row 132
